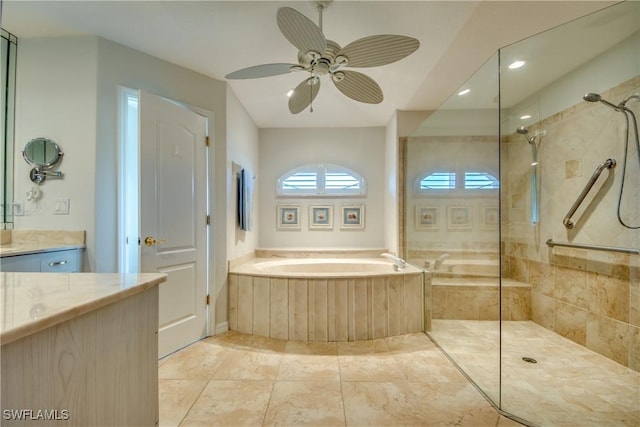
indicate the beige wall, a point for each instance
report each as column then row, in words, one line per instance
column 359, row 149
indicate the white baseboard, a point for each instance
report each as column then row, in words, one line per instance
column 222, row 328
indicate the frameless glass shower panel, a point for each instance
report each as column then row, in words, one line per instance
column 571, row 326
column 451, row 224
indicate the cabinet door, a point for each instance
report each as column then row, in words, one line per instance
column 20, row 263
column 61, row 261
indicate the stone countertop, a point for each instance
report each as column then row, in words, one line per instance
column 25, row 242
column 32, row 302
column 27, row 248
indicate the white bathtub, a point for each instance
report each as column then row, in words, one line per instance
column 326, row 299
column 322, row 267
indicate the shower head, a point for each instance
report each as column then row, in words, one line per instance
column 594, row 97
column 524, row 131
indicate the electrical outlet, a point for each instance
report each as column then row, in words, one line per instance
column 18, row 208
column 61, row 206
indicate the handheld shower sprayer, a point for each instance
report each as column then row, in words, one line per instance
column 594, row 97
column 629, row 116
column 524, row 131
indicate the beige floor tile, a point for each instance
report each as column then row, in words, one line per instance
column 309, row 368
column 240, row 363
column 381, row 404
column 371, row 347
column 176, row 398
column 199, row 361
column 311, row 348
column 297, row 403
column 454, row 404
column 428, row 367
column 368, row 368
column 230, row 403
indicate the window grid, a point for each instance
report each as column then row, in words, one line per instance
column 448, row 181
column 320, row 180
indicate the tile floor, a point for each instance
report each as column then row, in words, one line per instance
column 569, row 386
column 234, row 379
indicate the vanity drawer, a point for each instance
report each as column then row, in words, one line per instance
column 61, row 261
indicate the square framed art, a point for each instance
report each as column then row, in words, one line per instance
column 489, row 217
column 352, row 217
column 426, row 217
column 320, row 217
column 458, row 218
column 288, row 217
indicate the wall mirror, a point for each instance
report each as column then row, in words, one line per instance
column 44, row 155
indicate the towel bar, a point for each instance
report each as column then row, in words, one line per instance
column 551, row 244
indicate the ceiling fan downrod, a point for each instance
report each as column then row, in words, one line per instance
column 321, row 5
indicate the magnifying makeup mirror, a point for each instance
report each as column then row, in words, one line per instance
column 44, row 155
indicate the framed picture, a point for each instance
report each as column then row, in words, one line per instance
column 489, row 216
column 320, row 217
column 288, row 217
column 426, row 217
column 458, row 218
column 352, row 217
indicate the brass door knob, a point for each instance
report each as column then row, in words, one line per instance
column 150, row 241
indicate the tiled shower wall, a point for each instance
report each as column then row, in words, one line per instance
column 590, row 297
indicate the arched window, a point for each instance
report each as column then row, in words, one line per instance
column 446, row 182
column 320, row 180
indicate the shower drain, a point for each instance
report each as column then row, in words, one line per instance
column 529, row 359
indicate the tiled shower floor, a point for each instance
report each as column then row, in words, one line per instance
column 569, row 386
column 234, row 379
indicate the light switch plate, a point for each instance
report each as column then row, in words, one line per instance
column 18, row 208
column 61, row 206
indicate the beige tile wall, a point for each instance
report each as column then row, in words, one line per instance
column 327, row 309
column 479, row 299
column 590, row 297
column 581, row 296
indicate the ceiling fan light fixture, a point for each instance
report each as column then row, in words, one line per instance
column 320, row 56
column 290, row 93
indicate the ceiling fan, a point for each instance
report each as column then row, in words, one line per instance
column 319, row 56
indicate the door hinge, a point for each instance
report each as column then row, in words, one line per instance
column 208, row 299
column 208, row 219
column 206, row 140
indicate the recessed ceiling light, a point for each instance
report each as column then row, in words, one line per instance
column 516, row 64
column 464, row 92
column 525, row 117
column 290, row 93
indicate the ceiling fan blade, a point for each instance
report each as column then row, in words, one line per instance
column 359, row 87
column 300, row 30
column 257, row 71
column 383, row 49
column 304, row 94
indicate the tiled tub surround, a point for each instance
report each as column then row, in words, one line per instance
column 326, row 305
column 478, row 298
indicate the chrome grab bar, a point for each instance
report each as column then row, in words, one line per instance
column 551, row 244
column 608, row 164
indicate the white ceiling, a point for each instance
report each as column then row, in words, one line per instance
column 217, row 37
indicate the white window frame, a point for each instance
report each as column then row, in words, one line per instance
column 460, row 190
column 321, row 170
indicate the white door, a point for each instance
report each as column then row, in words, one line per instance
column 173, row 216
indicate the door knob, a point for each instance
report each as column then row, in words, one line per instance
column 150, row 241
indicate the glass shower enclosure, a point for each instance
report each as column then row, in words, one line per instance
column 521, row 201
